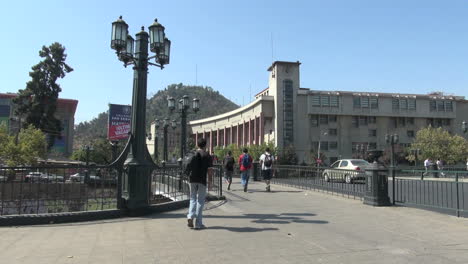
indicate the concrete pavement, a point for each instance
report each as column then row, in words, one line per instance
column 287, row 225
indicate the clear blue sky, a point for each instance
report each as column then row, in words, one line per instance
column 400, row 46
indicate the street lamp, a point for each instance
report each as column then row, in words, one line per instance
column 183, row 106
column 137, row 162
column 318, row 149
column 87, row 149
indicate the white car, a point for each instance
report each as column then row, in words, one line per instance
column 52, row 178
column 77, row 177
column 346, row 170
column 33, row 176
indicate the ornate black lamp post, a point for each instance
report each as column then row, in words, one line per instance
column 137, row 164
column 165, row 125
column 182, row 108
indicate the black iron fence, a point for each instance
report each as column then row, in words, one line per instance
column 443, row 191
column 46, row 189
column 347, row 183
column 64, row 189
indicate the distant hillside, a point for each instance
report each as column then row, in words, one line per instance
column 211, row 103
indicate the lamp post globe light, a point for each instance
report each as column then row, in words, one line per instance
column 183, row 106
column 137, row 162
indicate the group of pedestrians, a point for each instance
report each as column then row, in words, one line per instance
column 428, row 163
column 201, row 168
column 245, row 164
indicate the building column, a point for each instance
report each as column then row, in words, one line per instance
column 224, row 137
column 262, row 127
column 217, row 137
column 211, row 141
column 243, row 133
column 255, row 132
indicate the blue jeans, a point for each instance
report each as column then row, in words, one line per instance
column 197, row 201
column 245, row 177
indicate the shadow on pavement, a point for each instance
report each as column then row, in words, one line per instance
column 242, row 229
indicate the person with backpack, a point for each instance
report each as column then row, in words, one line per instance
column 198, row 166
column 228, row 163
column 266, row 161
column 245, row 163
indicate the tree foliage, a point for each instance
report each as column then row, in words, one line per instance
column 101, row 152
column 30, row 146
column 37, row 103
column 287, row 156
column 437, row 143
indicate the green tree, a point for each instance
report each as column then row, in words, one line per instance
column 31, row 145
column 101, row 152
column 437, row 143
column 38, row 102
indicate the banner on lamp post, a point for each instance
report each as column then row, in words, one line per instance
column 120, row 122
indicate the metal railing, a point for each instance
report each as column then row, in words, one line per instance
column 57, row 189
column 347, row 183
column 443, row 191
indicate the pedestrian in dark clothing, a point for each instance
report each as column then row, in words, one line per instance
column 202, row 164
column 228, row 163
column 245, row 163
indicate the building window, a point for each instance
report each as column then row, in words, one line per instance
column 394, row 122
column 374, row 102
column 288, row 112
column 324, row 145
column 446, row 122
column 448, row 106
column 363, row 120
column 411, row 104
column 410, row 133
column 365, row 102
column 357, row 102
column 372, row 132
column 355, row 121
column 438, row 122
column 332, row 118
column 402, row 121
column 403, row 104
column 333, row 145
column 323, row 120
column 314, row 121
column 315, row 100
column 325, row 100
column 334, row 101
column 372, row 145
column 430, row 122
column 332, row 131
column 440, row 106
column 432, row 105
column 395, row 104
column 410, row 120
column 372, row 119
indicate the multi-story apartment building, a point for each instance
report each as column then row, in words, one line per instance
column 63, row 146
column 286, row 114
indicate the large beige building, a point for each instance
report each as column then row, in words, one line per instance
column 343, row 122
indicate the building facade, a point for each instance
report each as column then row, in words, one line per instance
column 66, row 108
column 341, row 123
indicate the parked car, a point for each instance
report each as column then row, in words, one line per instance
column 33, row 176
column 77, row 177
column 52, row 178
column 347, row 170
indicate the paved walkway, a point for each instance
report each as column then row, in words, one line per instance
column 285, row 226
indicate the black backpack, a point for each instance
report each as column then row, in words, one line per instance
column 268, row 160
column 229, row 163
column 190, row 161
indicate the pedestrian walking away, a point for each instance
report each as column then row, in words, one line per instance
column 427, row 165
column 245, row 163
column 266, row 161
column 440, row 167
column 228, row 164
column 199, row 167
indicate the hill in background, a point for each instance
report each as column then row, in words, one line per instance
column 211, row 103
